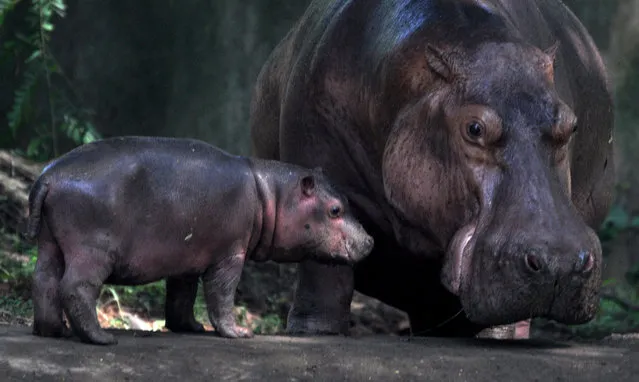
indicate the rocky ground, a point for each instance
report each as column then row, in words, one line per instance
column 142, row 356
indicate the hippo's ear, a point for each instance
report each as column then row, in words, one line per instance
column 548, row 63
column 551, row 52
column 307, row 184
column 440, row 63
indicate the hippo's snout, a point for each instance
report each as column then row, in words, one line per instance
column 539, row 263
column 361, row 248
column 555, row 275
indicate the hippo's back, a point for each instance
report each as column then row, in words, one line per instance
column 118, row 152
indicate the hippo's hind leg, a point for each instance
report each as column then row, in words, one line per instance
column 48, row 318
column 178, row 306
column 220, row 283
column 86, row 271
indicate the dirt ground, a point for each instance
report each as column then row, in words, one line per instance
column 141, row 356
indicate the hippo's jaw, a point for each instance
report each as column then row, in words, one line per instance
column 493, row 290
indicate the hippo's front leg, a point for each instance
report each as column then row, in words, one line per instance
column 220, row 282
column 322, row 300
column 178, row 307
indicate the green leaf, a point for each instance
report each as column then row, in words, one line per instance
column 47, row 26
column 22, row 100
column 617, row 217
column 23, row 38
column 33, row 56
column 34, row 146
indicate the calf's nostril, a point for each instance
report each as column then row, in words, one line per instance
column 532, row 262
column 585, row 262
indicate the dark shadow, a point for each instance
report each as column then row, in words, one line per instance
column 489, row 343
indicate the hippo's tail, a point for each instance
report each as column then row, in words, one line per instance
column 36, row 199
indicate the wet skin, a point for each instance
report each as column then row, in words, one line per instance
column 474, row 142
column 134, row 210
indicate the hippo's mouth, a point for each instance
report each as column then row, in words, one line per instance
column 457, row 261
column 494, row 291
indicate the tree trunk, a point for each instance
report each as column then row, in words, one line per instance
column 16, row 177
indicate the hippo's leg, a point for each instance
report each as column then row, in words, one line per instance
column 48, row 318
column 178, row 306
column 85, row 273
column 322, row 299
column 220, row 282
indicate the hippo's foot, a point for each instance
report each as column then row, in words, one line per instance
column 234, row 331
column 99, row 337
column 58, row 330
column 301, row 324
column 185, row 327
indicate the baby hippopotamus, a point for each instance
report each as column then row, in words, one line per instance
column 134, row 210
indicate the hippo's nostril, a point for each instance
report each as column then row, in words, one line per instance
column 532, row 262
column 585, row 262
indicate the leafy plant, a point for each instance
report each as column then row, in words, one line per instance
column 39, row 71
column 617, row 221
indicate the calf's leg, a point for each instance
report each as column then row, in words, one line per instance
column 48, row 318
column 220, row 283
column 86, row 271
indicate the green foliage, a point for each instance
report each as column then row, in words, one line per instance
column 15, row 306
column 41, row 71
column 617, row 221
column 6, row 6
column 618, row 313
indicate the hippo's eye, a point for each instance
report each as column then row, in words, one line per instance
column 475, row 130
column 335, row 211
column 574, row 128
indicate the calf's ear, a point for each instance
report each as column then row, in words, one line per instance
column 307, row 184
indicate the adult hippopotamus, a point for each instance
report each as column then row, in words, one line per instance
column 133, row 210
column 474, row 141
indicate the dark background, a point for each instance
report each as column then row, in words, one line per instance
column 187, row 68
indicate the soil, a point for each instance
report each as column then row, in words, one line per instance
column 159, row 356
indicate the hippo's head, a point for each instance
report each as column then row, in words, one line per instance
column 314, row 219
column 481, row 166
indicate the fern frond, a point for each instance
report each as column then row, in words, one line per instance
column 5, row 7
column 22, row 98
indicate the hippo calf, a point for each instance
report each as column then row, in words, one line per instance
column 134, row 210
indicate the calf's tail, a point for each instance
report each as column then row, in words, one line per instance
column 36, row 200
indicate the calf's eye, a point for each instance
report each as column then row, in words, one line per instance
column 335, row 211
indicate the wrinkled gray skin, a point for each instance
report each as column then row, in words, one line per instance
column 134, row 210
column 452, row 126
